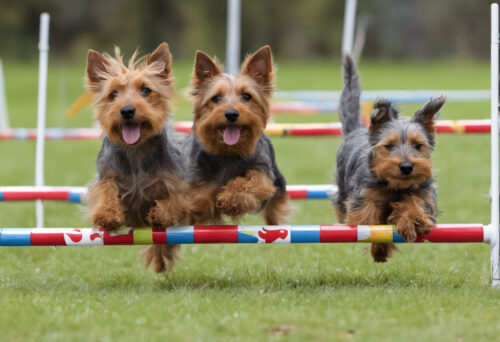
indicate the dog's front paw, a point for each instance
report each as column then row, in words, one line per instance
column 159, row 217
column 407, row 229
column 236, row 204
column 110, row 220
column 424, row 225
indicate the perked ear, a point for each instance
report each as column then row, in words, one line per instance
column 382, row 113
column 162, row 55
column 259, row 66
column 96, row 70
column 204, row 69
column 428, row 113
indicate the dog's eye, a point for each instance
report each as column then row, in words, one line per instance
column 389, row 146
column 113, row 94
column 216, row 98
column 417, row 146
column 246, row 96
column 145, row 91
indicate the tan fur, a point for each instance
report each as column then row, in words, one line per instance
column 105, row 208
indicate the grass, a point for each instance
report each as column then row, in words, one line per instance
column 228, row 292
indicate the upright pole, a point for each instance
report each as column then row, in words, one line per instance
column 43, row 47
column 233, row 36
column 4, row 114
column 494, row 247
column 348, row 30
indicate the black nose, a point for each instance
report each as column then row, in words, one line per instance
column 127, row 112
column 406, row 168
column 232, row 115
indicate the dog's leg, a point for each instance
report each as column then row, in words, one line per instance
column 410, row 219
column 369, row 213
column 105, row 210
column 243, row 195
column 277, row 210
column 202, row 208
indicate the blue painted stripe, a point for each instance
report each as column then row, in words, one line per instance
column 304, row 234
column 75, row 197
column 317, row 194
column 1, row 195
column 179, row 237
column 247, row 238
column 397, row 238
column 15, row 237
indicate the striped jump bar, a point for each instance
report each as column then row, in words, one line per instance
column 74, row 194
column 442, row 233
column 274, row 129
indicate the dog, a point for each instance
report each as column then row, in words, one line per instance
column 384, row 171
column 231, row 163
column 140, row 168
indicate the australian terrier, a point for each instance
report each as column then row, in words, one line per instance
column 384, row 172
column 231, row 164
column 140, row 170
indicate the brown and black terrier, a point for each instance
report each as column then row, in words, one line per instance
column 384, row 171
column 231, row 164
column 140, row 170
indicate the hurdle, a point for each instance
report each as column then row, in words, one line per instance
column 75, row 194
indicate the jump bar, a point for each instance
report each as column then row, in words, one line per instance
column 442, row 233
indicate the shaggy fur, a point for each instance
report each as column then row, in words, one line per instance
column 384, row 172
column 140, row 170
column 236, row 176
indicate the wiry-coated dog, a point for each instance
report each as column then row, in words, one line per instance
column 140, row 170
column 384, row 172
column 231, row 164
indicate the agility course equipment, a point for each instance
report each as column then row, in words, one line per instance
column 74, row 194
column 444, row 233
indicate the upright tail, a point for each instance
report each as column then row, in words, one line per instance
column 349, row 107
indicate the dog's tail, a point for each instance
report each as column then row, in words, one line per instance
column 349, row 107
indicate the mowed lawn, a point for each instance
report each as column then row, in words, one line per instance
column 249, row 292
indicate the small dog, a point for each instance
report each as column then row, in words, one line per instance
column 384, row 172
column 231, row 164
column 140, row 170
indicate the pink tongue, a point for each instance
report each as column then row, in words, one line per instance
column 131, row 133
column 231, row 135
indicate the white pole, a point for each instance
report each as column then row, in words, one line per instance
column 233, row 36
column 348, row 30
column 43, row 47
column 494, row 247
column 4, row 114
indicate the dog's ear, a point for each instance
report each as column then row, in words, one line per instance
column 383, row 112
column 259, row 66
column 97, row 66
column 427, row 114
column 162, row 56
column 205, row 68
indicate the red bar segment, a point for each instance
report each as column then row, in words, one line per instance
column 47, row 239
column 297, row 194
column 338, row 233
column 118, row 239
column 314, row 131
column 454, row 233
column 215, row 234
column 32, row 195
column 159, row 236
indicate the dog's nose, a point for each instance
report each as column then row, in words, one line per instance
column 406, row 168
column 232, row 115
column 127, row 112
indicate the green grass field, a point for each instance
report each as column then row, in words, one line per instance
column 251, row 293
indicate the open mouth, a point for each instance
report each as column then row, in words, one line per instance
column 231, row 134
column 131, row 132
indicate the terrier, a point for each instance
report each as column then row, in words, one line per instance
column 384, row 171
column 231, row 164
column 140, row 170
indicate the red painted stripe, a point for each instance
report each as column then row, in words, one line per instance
column 338, row 233
column 32, row 195
column 215, row 234
column 314, row 131
column 183, row 129
column 483, row 128
column 47, row 239
column 159, row 236
column 454, row 233
column 444, row 128
column 120, row 239
column 297, row 194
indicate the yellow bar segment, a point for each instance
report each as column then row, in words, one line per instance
column 380, row 234
column 143, row 236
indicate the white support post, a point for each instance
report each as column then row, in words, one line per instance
column 348, row 30
column 233, row 36
column 43, row 47
column 494, row 243
column 4, row 114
